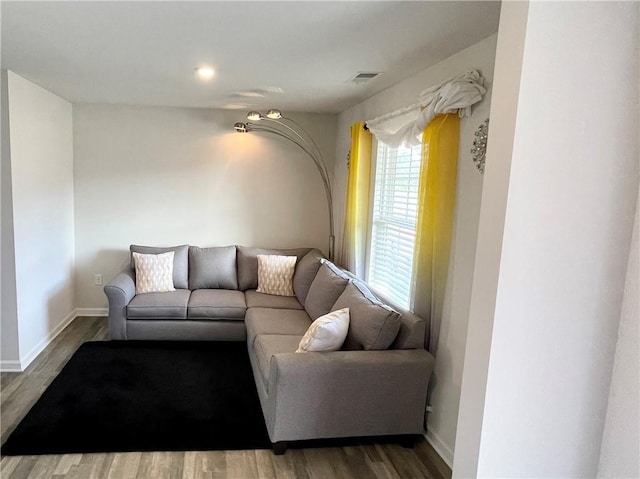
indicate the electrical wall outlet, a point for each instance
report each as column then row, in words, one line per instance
column 97, row 279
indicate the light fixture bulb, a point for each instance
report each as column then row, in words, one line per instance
column 254, row 116
column 205, row 72
column 240, row 127
column 274, row 114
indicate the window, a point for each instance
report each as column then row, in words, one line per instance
column 393, row 222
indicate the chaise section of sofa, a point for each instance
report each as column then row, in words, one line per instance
column 341, row 393
column 377, row 387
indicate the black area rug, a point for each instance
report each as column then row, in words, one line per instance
column 118, row 396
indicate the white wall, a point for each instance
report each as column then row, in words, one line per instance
column 619, row 456
column 504, row 107
column 167, row 176
column 573, row 188
column 9, row 350
column 448, row 371
column 42, row 194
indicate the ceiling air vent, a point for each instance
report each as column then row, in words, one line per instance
column 362, row 77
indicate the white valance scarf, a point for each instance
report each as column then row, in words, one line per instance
column 405, row 126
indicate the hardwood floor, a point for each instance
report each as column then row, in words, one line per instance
column 19, row 391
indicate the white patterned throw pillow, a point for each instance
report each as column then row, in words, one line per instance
column 154, row 272
column 275, row 274
column 327, row 333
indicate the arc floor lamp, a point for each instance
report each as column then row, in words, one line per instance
column 273, row 122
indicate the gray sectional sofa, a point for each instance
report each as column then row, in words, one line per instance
column 376, row 385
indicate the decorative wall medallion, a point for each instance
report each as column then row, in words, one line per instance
column 479, row 150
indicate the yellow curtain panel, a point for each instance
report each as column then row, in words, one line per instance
column 436, row 205
column 357, row 200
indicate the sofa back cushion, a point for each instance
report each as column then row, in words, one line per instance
column 412, row 332
column 373, row 325
column 247, row 262
column 180, row 261
column 306, row 271
column 325, row 289
column 212, row 268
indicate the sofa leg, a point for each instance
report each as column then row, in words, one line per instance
column 409, row 440
column 279, row 448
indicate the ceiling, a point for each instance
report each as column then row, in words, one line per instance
column 300, row 56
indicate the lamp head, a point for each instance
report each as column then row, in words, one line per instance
column 254, row 116
column 274, row 114
column 240, row 127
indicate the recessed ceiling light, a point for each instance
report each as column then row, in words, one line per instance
column 204, row 72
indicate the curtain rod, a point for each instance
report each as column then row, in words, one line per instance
column 398, row 112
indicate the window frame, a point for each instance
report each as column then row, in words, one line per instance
column 369, row 236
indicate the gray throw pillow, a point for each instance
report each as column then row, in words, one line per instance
column 306, row 271
column 373, row 325
column 411, row 333
column 325, row 289
column 180, row 261
column 212, row 268
column 247, row 260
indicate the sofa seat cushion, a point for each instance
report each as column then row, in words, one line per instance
column 261, row 300
column 216, row 304
column 168, row 305
column 276, row 321
column 268, row 345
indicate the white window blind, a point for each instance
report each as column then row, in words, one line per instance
column 393, row 226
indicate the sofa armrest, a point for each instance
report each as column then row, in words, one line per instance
column 120, row 291
column 348, row 393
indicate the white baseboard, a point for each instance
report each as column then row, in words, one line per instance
column 13, row 366
column 38, row 348
column 443, row 450
column 92, row 312
column 8, row 366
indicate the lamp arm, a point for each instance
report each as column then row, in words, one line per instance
column 292, row 130
column 308, row 140
column 309, row 137
column 321, row 167
column 320, row 164
column 315, row 156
